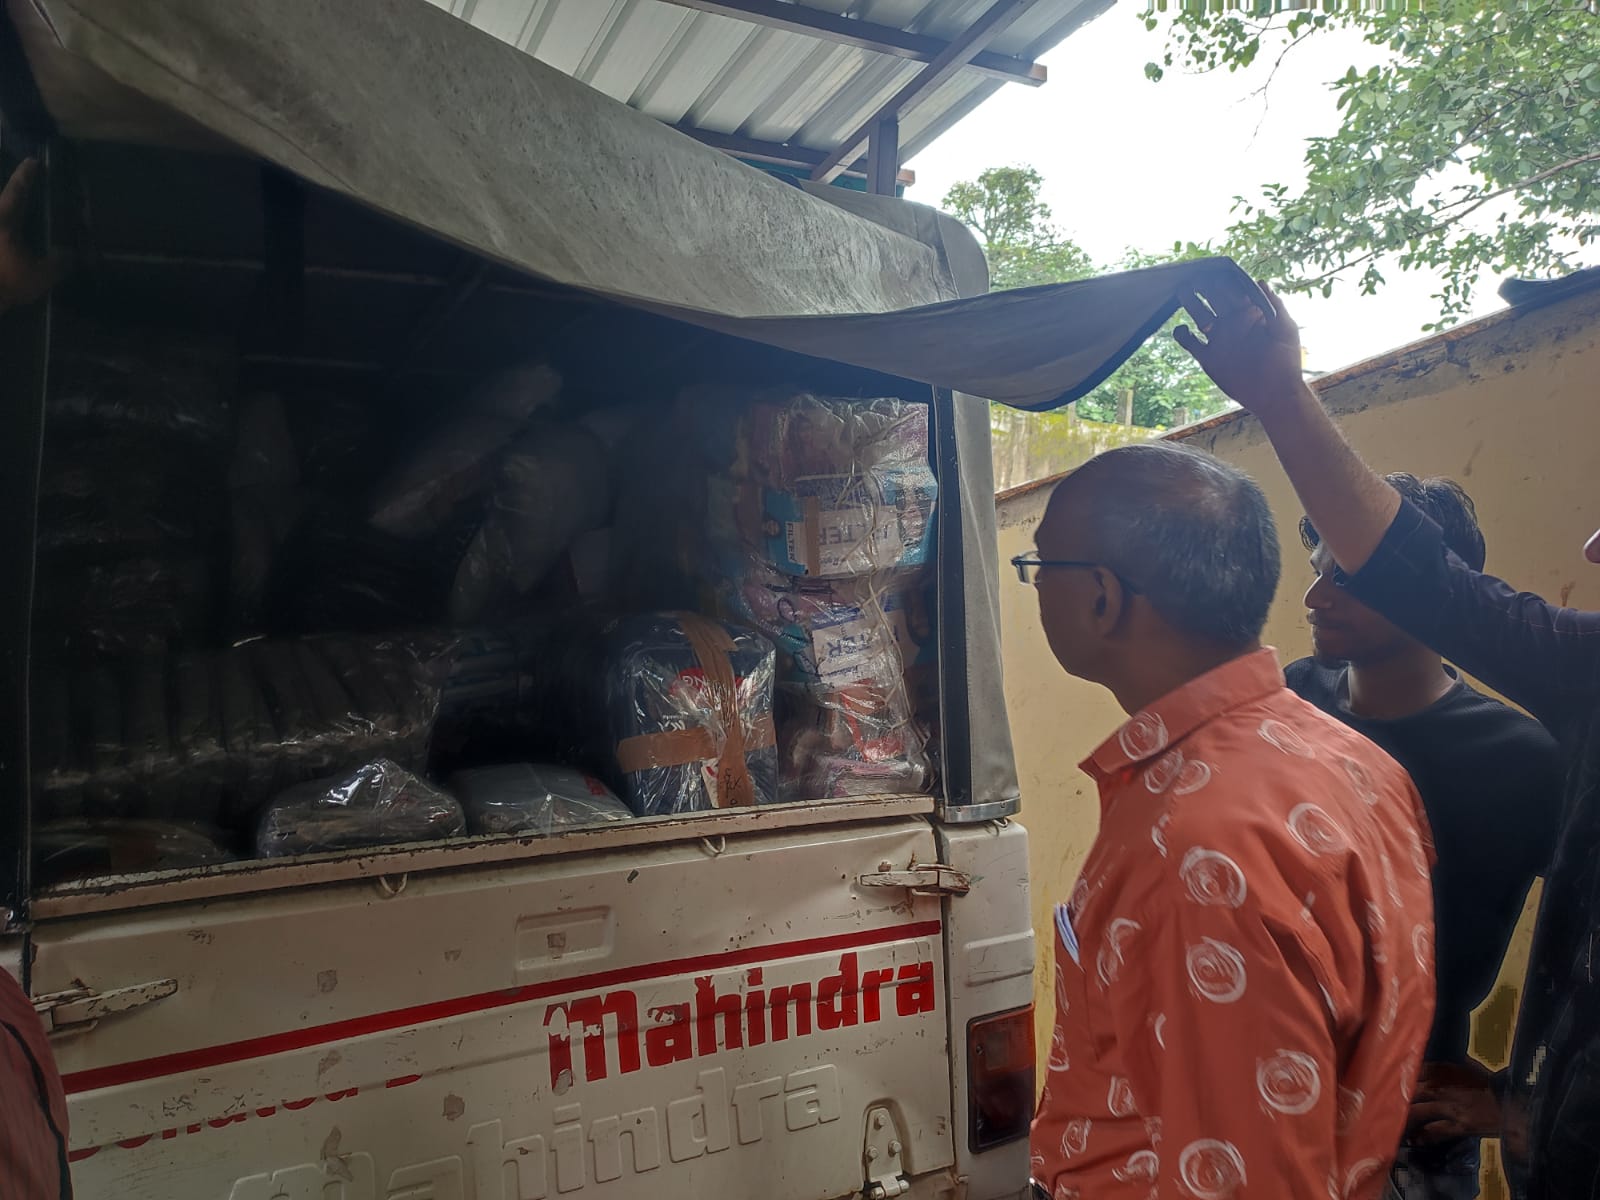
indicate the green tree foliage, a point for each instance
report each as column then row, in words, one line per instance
column 1474, row 147
column 1024, row 247
column 1020, row 240
column 1165, row 381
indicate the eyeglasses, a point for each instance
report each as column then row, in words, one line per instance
column 1029, row 565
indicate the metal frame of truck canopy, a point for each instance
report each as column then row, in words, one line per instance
column 684, row 248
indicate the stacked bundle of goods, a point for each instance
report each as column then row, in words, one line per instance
column 212, row 736
column 525, row 798
column 464, row 528
column 378, row 803
column 165, row 496
column 673, row 710
column 131, row 492
column 811, row 520
column 237, row 594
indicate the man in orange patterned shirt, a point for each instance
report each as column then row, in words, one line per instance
column 1244, row 973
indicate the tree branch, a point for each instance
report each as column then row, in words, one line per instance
column 1473, row 204
column 1273, row 74
column 1538, row 177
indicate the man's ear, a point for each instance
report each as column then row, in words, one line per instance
column 1109, row 603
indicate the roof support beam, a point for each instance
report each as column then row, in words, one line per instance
column 784, row 155
column 883, row 157
column 866, row 35
column 952, row 59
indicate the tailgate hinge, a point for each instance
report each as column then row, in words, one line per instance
column 884, row 1155
column 924, row 879
column 79, row 1009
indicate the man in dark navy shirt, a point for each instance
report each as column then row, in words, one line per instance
column 1539, row 655
column 1490, row 779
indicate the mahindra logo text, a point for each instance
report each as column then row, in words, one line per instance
column 751, row 1015
column 579, row 1150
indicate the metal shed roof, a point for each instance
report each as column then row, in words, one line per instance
column 802, row 86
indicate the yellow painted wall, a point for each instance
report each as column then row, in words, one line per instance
column 1509, row 406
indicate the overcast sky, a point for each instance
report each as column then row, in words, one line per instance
column 1127, row 162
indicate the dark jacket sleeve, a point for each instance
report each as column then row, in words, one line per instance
column 1545, row 658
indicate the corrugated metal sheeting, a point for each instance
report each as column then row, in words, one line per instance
column 704, row 71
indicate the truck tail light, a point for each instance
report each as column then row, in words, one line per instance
column 999, row 1078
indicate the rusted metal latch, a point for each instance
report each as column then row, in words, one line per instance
column 80, row 1009
column 921, row 879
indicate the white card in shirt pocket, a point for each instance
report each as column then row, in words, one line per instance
column 1069, row 936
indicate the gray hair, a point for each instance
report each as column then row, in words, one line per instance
column 1190, row 532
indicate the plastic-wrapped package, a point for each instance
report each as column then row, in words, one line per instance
column 51, row 721
column 487, row 711
column 846, row 722
column 262, row 521
column 551, row 485
column 82, row 849
column 379, row 803
column 122, row 493
column 213, row 736
column 824, row 488
column 124, row 606
column 342, row 441
column 673, row 710
column 456, row 461
column 614, row 423
column 533, row 798
column 516, row 393
column 338, row 572
column 126, row 379
column 840, row 590
column 263, row 452
column 264, row 503
column 131, row 490
column 588, row 564
column 689, row 702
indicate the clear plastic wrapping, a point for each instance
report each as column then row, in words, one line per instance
column 490, row 705
column 265, row 501
column 379, row 803
column 552, row 484
column 813, row 526
column 175, row 518
column 144, row 604
column 132, row 493
column 82, row 849
column 529, row 798
column 456, row 461
column 128, row 379
column 212, row 736
column 339, row 572
column 689, row 702
column 111, row 491
column 341, row 441
column 822, row 488
column 674, row 710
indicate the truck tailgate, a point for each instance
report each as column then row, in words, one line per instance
column 615, row 1023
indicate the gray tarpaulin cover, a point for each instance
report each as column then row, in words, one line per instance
column 403, row 108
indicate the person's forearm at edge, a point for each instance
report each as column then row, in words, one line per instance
column 1349, row 503
column 1252, row 352
column 1541, row 656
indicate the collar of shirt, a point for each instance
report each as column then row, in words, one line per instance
column 1180, row 712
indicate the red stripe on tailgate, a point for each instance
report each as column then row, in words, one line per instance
column 440, row 1010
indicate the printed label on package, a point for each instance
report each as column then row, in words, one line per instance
column 834, row 525
column 845, row 649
